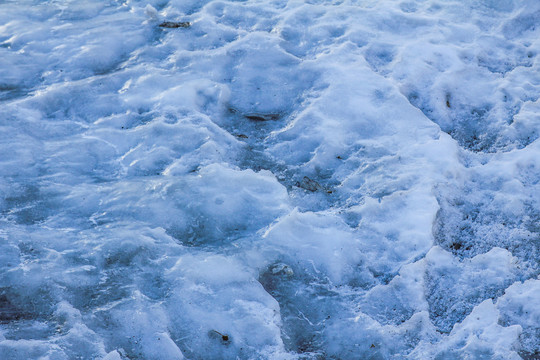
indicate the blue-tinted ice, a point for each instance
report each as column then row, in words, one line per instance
column 322, row 179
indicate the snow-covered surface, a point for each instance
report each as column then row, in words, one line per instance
column 317, row 179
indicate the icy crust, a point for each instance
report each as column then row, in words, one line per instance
column 476, row 87
column 273, row 180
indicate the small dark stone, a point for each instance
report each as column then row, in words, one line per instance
column 456, row 246
column 448, row 98
column 308, row 184
column 262, row 117
column 224, row 338
column 241, row 136
column 175, row 24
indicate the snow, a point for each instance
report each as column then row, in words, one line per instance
column 322, row 179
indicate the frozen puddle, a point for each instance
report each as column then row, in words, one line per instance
column 269, row 179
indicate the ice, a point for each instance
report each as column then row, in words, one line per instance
column 478, row 336
column 453, row 289
column 323, row 179
column 299, row 239
column 113, row 355
column 520, row 301
column 227, row 304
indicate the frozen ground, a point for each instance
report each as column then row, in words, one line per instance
column 314, row 179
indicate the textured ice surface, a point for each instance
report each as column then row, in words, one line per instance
column 320, row 179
